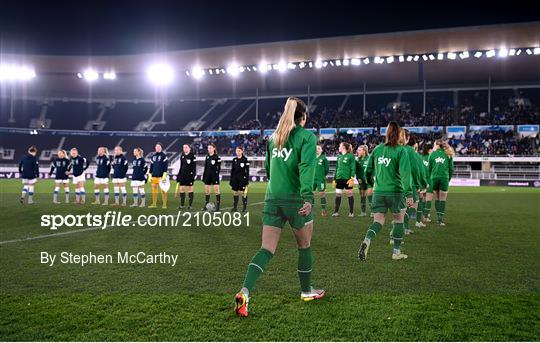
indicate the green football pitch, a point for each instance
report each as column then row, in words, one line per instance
column 476, row 279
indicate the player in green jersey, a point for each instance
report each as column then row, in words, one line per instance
column 441, row 170
column 290, row 167
column 426, row 150
column 319, row 183
column 364, row 188
column 344, row 177
column 390, row 169
column 418, row 178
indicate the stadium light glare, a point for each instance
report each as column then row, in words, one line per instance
column 346, row 62
column 478, row 54
column 325, row 64
column 9, row 72
column 109, row 75
column 503, row 52
column 378, row 60
column 355, row 61
column 512, row 52
column 160, row 74
column 401, row 58
column 302, row 65
column 366, row 60
column 440, row 56
column 464, row 55
column 451, row 55
column 263, row 67
column 233, row 70
column 318, row 64
column 90, row 75
column 528, row 51
column 424, row 57
column 197, row 73
column 310, row 64
column 536, row 51
column 490, row 53
column 416, row 58
column 331, row 63
column 431, row 57
column 390, row 59
column 291, row 66
column 518, row 52
column 338, row 63
column 409, row 58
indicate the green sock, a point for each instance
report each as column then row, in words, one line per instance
column 398, row 235
column 369, row 198
column 363, row 204
column 427, row 208
column 437, row 207
column 256, row 267
column 305, row 265
column 405, row 220
column 373, row 230
column 411, row 215
column 440, row 211
column 420, row 211
column 323, row 203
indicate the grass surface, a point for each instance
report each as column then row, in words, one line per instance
column 476, row 279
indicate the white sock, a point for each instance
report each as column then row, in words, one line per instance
column 124, row 194
column 135, row 195
column 143, row 196
column 30, row 193
column 56, row 190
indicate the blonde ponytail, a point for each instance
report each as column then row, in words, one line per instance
column 286, row 123
column 448, row 150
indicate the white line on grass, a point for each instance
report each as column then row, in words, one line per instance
column 92, row 228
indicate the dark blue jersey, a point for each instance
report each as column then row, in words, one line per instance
column 159, row 164
column 139, row 169
column 120, row 167
column 103, row 166
column 78, row 164
column 29, row 167
column 60, row 166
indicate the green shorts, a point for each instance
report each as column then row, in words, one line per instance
column 319, row 186
column 438, row 184
column 381, row 203
column 278, row 215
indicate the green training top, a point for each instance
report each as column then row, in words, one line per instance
column 361, row 163
column 440, row 166
column 345, row 167
column 291, row 169
column 417, row 168
column 322, row 169
column 390, row 169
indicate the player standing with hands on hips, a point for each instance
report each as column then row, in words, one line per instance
column 290, row 167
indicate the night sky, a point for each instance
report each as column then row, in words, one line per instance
column 124, row 27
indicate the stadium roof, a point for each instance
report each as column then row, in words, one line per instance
column 57, row 74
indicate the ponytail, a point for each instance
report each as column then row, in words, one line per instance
column 293, row 112
column 448, row 150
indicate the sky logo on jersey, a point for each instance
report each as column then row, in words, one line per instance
column 283, row 153
column 384, row 160
column 440, row 160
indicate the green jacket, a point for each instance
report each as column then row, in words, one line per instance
column 345, row 167
column 322, row 169
column 417, row 169
column 291, row 169
column 440, row 166
column 390, row 170
column 360, row 172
